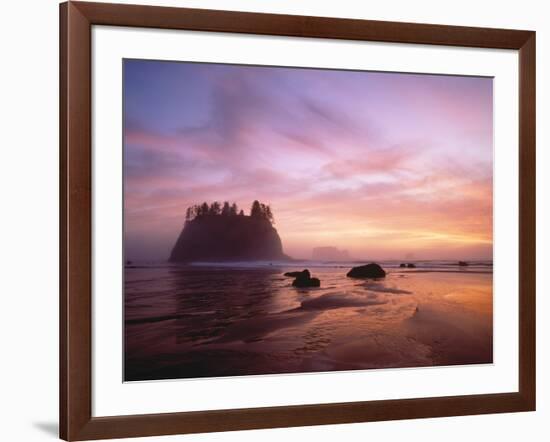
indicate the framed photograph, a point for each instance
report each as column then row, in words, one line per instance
column 273, row 220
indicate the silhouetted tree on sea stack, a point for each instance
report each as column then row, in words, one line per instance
column 256, row 209
column 260, row 210
column 214, row 208
column 189, row 213
column 269, row 215
column 225, row 209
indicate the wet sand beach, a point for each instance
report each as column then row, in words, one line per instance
column 230, row 320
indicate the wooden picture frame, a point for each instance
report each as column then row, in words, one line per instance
column 76, row 21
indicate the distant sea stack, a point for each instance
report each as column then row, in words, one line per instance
column 222, row 233
column 329, row 254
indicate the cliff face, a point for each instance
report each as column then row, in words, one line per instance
column 228, row 238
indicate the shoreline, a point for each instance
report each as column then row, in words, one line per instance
column 393, row 267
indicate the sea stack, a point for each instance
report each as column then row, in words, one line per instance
column 329, row 254
column 210, row 234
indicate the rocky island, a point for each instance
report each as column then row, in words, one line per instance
column 329, row 254
column 218, row 232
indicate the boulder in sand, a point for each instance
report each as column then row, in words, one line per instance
column 306, row 282
column 304, row 279
column 371, row 270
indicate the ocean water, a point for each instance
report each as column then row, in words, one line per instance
column 233, row 319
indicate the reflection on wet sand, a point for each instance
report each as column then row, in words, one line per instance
column 186, row 322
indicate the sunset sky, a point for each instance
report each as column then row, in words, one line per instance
column 384, row 165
